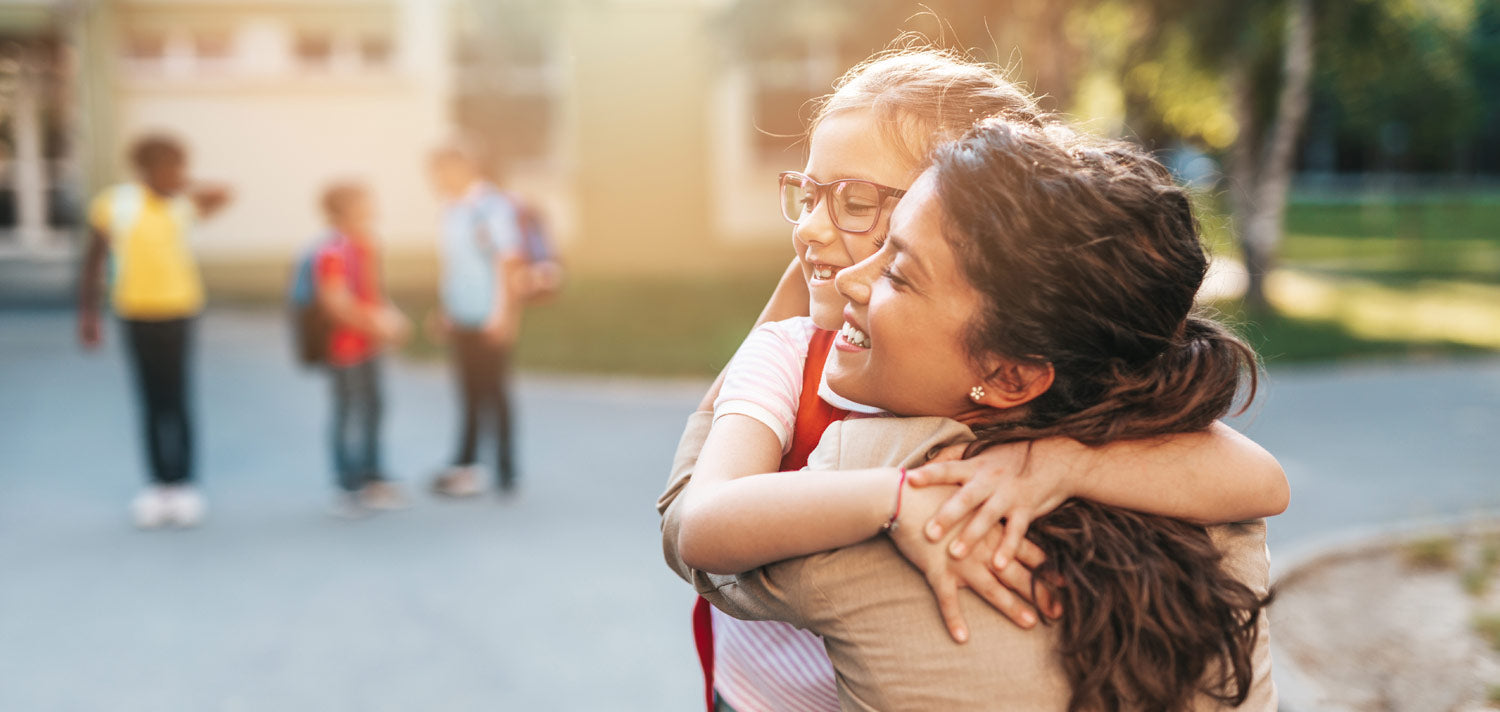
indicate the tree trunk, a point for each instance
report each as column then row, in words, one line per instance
column 1262, row 170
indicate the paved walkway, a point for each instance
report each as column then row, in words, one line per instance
column 555, row 601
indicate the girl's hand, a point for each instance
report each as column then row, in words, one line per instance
column 89, row 332
column 209, row 198
column 1005, row 483
column 1008, row 588
column 500, row 331
column 394, row 326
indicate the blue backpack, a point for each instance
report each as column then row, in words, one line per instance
column 310, row 326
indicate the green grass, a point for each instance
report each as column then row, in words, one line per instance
column 649, row 326
column 1392, row 239
column 600, row 323
column 1393, row 277
column 1439, row 552
column 1376, row 277
column 1488, row 627
column 632, row 325
column 1279, row 338
column 1478, row 577
column 1475, row 582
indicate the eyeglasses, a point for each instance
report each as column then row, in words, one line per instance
column 855, row 206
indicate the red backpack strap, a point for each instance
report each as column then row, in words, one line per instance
column 814, row 415
column 703, row 638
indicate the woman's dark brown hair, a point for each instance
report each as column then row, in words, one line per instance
column 1088, row 258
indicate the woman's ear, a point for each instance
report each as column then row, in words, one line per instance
column 1013, row 384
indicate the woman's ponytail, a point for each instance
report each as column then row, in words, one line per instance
column 1087, row 258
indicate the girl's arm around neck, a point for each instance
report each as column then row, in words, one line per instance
column 1209, row 477
column 732, row 523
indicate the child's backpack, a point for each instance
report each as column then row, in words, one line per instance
column 536, row 246
column 310, row 326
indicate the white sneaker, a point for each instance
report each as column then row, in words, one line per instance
column 151, row 508
column 346, row 505
column 185, row 506
column 459, row 481
column 382, row 496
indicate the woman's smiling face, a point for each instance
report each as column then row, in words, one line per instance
column 908, row 306
column 847, row 144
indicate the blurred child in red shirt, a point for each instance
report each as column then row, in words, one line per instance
column 349, row 292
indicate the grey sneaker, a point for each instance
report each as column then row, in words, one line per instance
column 458, row 481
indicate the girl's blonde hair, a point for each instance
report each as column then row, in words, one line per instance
column 923, row 96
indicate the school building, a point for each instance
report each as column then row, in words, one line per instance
column 649, row 132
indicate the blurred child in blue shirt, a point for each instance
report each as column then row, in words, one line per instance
column 483, row 287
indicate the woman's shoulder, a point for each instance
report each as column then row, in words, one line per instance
column 893, row 650
column 885, row 441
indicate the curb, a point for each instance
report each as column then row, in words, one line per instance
column 1298, row 692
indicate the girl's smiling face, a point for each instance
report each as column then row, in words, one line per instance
column 847, row 144
column 909, row 304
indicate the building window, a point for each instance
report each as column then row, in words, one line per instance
column 783, row 80
column 213, row 49
column 314, row 50
column 146, row 46
column 509, row 80
column 375, row 51
column 213, row 46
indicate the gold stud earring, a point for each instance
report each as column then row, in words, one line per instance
column 976, row 393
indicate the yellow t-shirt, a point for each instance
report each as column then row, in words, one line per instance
column 154, row 275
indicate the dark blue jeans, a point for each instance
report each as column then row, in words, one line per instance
column 356, row 424
column 159, row 354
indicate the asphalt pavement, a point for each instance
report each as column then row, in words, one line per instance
column 555, row 600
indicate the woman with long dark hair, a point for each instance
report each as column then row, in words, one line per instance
column 1035, row 282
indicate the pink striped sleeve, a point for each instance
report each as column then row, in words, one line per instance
column 764, row 379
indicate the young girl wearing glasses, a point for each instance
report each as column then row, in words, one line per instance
column 867, row 143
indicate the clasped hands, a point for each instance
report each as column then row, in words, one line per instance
column 963, row 523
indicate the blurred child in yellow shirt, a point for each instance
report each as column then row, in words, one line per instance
column 141, row 229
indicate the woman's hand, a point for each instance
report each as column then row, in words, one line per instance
column 1007, row 588
column 1006, row 486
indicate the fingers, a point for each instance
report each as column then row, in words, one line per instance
column 1004, row 597
column 1028, row 558
column 1029, row 554
column 955, row 509
column 979, row 525
column 1016, row 522
column 949, row 454
column 946, row 590
column 1020, row 579
column 940, row 473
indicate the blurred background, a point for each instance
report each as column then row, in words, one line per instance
column 1346, row 157
column 645, row 130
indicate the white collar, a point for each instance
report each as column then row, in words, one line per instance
column 841, row 402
